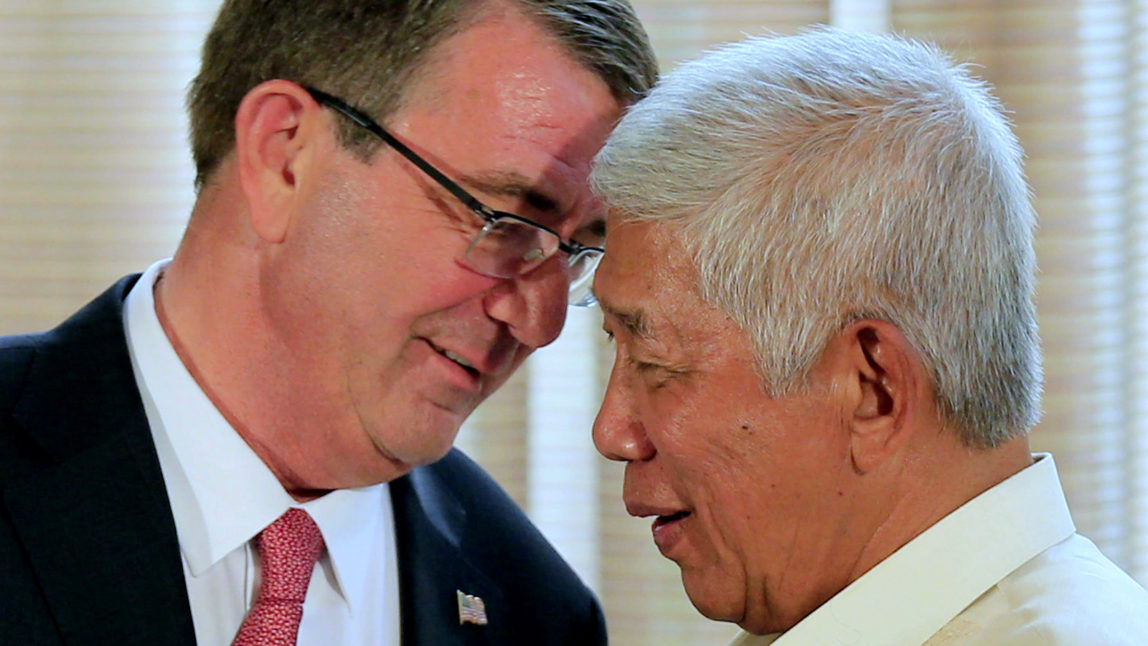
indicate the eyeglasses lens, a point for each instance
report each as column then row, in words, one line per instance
column 507, row 248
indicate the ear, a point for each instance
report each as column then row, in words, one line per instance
column 275, row 131
column 887, row 388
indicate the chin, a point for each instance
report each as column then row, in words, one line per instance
column 414, row 441
column 715, row 597
column 430, row 456
column 723, row 598
column 764, row 620
column 428, row 449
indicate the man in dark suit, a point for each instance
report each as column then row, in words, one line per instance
column 344, row 296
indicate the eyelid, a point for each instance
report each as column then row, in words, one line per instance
column 655, row 376
column 646, row 366
column 592, row 234
column 540, row 206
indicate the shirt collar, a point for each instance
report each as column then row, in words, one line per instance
column 222, row 494
column 353, row 521
column 931, row 578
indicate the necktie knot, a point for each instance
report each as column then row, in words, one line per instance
column 288, row 549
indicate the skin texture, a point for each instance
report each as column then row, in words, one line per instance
column 769, row 506
column 314, row 295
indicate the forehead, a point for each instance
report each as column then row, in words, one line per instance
column 647, row 282
column 505, row 71
column 502, row 106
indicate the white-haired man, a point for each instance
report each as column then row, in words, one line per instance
column 819, row 278
column 252, row 443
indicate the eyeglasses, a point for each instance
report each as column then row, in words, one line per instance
column 508, row 245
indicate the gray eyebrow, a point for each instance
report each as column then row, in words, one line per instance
column 634, row 321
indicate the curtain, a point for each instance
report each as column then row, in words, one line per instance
column 96, row 182
column 95, row 177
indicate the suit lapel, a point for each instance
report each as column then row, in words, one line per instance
column 97, row 526
column 104, row 549
column 430, row 527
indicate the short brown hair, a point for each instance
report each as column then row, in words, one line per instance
column 367, row 52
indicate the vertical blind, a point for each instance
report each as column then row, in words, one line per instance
column 96, row 182
column 95, row 178
column 1135, row 223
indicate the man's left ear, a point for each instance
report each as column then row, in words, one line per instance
column 275, row 126
column 886, row 387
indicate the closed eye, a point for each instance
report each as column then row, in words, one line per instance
column 655, row 375
column 645, row 366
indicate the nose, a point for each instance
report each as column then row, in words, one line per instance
column 533, row 306
column 619, row 433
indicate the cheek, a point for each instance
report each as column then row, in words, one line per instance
column 748, row 471
column 718, row 438
column 721, row 462
column 731, row 486
column 391, row 242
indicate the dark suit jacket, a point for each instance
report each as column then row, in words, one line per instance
column 88, row 546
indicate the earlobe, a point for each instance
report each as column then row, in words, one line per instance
column 884, row 371
column 271, row 137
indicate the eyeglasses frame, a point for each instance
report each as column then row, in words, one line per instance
column 489, row 215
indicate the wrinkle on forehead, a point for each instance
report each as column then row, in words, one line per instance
column 648, row 285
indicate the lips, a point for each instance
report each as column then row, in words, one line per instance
column 671, row 518
column 668, row 531
column 668, row 520
column 478, row 354
column 668, row 525
column 643, row 510
column 458, row 359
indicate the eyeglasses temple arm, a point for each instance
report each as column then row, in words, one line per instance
column 366, row 122
column 571, row 248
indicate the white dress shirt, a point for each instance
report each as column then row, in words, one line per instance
column 1005, row 569
column 222, row 495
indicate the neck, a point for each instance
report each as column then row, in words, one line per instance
column 208, row 303
column 931, row 483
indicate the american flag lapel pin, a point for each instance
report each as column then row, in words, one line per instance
column 471, row 609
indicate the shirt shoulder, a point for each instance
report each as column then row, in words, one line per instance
column 1068, row 594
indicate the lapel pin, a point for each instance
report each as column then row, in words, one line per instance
column 471, row 609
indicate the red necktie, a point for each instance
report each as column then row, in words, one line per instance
column 288, row 548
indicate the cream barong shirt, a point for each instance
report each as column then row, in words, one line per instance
column 1005, row 569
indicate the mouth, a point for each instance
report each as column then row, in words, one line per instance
column 458, row 359
column 668, row 527
column 663, row 513
column 663, row 520
column 668, row 531
column 466, row 365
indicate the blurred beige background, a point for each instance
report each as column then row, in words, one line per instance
column 96, row 182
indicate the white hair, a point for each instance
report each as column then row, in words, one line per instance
column 830, row 176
